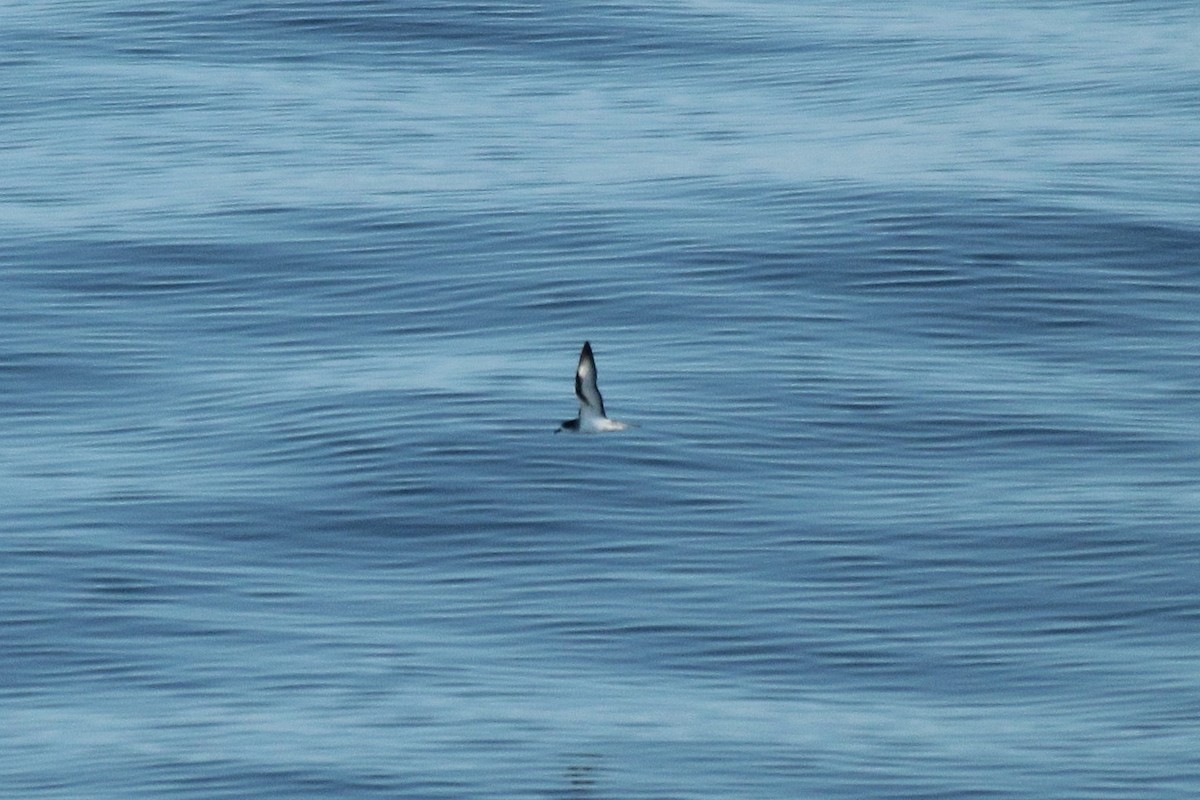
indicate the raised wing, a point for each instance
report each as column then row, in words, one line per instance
column 590, row 401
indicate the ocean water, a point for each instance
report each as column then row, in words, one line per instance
column 904, row 298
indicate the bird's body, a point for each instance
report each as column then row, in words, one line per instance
column 592, row 418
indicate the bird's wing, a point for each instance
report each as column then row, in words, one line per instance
column 590, row 401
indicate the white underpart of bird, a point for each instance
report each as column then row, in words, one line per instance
column 591, row 417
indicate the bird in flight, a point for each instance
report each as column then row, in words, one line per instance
column 591, row 417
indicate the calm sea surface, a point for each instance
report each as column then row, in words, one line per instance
column 904, row 297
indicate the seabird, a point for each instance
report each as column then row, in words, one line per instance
column 591, row 417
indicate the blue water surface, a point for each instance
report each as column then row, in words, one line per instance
column 904, row 298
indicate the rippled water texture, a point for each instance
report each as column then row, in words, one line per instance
column 903, row 298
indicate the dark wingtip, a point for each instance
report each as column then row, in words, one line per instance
column 587, row 347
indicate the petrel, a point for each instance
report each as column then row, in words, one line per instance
column 591, row 417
